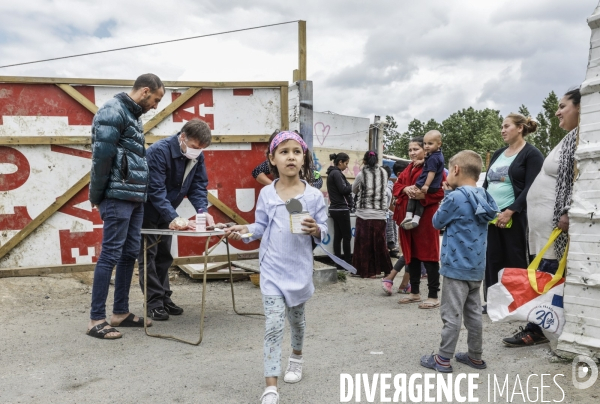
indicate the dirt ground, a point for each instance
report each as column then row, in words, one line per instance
column 352, row 328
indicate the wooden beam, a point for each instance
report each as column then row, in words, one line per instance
column 77, row 96
column 240, row 138
column 41, row 218
column 285, row 113
column 218, row 138
column 129, row 83
column 83, row 140
column 44, row 140
column 296, row 75
column 226, row 209
column 169, row 109
column 302, row 49
column 66, row 269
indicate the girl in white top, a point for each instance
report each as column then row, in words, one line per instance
column 285, row 258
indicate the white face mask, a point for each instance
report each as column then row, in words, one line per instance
column 190, row 153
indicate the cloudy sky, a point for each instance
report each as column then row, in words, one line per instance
column 410, row 59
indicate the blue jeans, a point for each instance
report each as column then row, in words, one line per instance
column 121, row 240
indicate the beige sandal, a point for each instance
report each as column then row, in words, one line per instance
column 409, row 299
column 429, row 305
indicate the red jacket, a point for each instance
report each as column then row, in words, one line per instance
column 422, row 242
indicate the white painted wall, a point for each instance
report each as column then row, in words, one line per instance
column 581, row 334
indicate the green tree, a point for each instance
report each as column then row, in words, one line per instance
column 549, row 134
column 471, row 129
column 391, row 136
column 399, row 146
column 523, row 110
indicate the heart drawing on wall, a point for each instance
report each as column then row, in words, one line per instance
column 321, row 131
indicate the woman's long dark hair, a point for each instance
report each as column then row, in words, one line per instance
column 338, row 157
column 306, row 173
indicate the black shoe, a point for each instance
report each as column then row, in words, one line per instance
column 158, row 314
column 173, row 309
column 525, row 337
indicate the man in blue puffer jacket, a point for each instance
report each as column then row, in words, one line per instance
column 118, row 188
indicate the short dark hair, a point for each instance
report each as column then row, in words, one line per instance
column 198, row 130
column 399, row 166
column 469, row 162
column 388, row 170
column 148, row 80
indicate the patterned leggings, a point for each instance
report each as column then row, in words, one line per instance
column 275, row 310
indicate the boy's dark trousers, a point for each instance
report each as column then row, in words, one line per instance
column 415, row 206
column 461, row 300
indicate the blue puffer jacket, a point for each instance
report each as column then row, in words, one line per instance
column 119, row 168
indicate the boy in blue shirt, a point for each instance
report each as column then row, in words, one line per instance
column 430, row 179
column 465, row 212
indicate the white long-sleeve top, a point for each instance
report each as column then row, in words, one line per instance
column 286, row 259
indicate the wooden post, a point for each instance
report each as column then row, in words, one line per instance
column 301, row 50
column 284, row 104
column 374, row 141
column 487, row 161
column 305, row 98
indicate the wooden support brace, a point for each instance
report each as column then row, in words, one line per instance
column 77, row 96
column 42, row 217
column 169, row 109
column 226, row 209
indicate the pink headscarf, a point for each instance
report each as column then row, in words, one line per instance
column 282, row 136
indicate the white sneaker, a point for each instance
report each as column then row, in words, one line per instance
column 270, row 396
column 293, row 374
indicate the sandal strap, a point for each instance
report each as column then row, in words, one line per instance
column 99, row 327
column 105, row 331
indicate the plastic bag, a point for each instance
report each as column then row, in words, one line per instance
column 529, row 295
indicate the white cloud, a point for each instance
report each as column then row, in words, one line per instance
column 409, row 59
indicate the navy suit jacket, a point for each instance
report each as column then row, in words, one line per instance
column 166, row 185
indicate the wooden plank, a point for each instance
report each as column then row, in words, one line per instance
column 41, row 271
column 169, row 109
column 129, row 83
column 295, row 75
column 83, row 140
column 302, row 50
column 66, row 269
column 285, row 113
column 41, row 218
column 77, row 96
column 44, row 140
column 226, row 209
column 240, row 138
